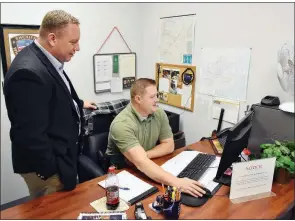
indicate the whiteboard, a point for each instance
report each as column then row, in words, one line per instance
column 224, row 72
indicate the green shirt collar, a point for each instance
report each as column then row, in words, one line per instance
column 139, row 117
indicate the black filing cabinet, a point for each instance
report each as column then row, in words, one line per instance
column 178, row 136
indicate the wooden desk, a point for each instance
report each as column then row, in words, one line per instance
column 68, row 205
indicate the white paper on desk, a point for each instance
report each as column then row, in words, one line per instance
column 163, row 85
column 252, row 177
column 116, row 84
column 136, row 185
column 231, row 109
column 179, row 162
column 207, row 178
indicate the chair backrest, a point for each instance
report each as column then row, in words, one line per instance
column 99, row 120
column 97, row 147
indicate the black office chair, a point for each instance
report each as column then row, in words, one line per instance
column 92, row 162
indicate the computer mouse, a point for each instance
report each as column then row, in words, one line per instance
column 208, row 193
column 190, row 200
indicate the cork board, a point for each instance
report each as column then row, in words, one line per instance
column 176, row 85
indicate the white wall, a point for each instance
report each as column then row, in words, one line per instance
column 97, row 20
column 262, row 26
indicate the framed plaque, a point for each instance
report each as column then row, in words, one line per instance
column 13, row 39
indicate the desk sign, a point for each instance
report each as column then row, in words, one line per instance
column 252, row 180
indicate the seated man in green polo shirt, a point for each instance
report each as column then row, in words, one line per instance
column 134, row 134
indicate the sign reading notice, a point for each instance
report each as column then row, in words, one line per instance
column 252, row 178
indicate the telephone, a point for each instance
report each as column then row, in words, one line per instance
column 221, row 133
column 218, row 137
column 216, row 134
column 270, row 101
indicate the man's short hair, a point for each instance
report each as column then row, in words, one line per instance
column 139, row 86
column 54, row 21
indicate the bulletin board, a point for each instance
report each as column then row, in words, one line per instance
column 176, row 85
column 113, row 72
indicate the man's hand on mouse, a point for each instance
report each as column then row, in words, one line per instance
column 191, row 187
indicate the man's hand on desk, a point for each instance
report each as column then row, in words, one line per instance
column 191, row 187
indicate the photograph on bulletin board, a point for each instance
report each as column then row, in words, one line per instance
column 176, row 85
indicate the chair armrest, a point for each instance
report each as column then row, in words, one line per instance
column 92, row 168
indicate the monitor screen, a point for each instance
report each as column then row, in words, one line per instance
column 236, row 141
column 269, row 124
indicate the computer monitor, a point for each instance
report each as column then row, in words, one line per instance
column 236, row 141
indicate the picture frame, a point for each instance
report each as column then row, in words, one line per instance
column 216, row 146
column 13, row 38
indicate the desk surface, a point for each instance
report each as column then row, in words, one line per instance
column 68, row 205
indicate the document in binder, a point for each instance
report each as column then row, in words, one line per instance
column 131, row 188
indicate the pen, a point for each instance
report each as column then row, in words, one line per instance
column 124, row 188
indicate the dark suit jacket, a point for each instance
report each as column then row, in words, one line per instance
column 44, row 122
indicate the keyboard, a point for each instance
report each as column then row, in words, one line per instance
column 197, row 167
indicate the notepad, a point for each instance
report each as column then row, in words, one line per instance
column 138, row 189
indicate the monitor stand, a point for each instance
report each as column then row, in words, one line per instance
column 224, row 179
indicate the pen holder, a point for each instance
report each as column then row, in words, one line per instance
column 171, row 209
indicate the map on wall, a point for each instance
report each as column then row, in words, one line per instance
column 224, row 72
column 176, row 39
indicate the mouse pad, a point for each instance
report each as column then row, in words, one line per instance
column 189, row 200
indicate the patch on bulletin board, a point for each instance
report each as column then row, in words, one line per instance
column 188, row 76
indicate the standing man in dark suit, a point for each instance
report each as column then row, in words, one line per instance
column 44, row 109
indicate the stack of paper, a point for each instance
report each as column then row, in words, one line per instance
column 136, row 187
